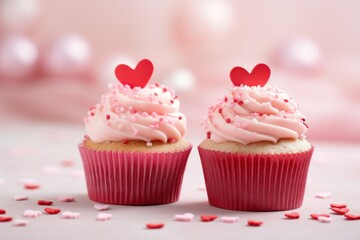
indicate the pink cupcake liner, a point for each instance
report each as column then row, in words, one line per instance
column 255, row 182
column 134, row 178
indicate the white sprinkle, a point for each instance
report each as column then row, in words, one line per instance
column 19, row 197
column 324, row 219
column 27, row 181
column 101, row 207
column 186, row 217
column 229, row 219
column 323, row 194
column 20, row 223
column 246, row 101
column 149, row 144
column 70, row 215
column 32, row 213
column 104, row 216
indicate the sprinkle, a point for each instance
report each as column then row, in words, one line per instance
column 240, row 102
column 338, row 205
column 229, row 219
column 316, row 216
column 220, row 110
column 208, row 135
column 340, row 211
column 225, row 99
column 246, row 101
column 155, row 225
column 44, row 203
column 324, row 219
column 349, row 216
column 68, row 162
column 92, row 114
column 186, row 217
column 5, row 219
column 292, row 215
column 149, row 144
column 180, row 117
column 107, row 117
column 171, row 101
column 20, row 223
column 52, row 211
column 31, row 186
column 323, row 194
column 2, row 211
column 228, row 120
column 164, row 90
column 101, row 207
column 208, row 218
column 70, row 215
column 104, row 216
column 171, row 140
column 66, row 199
column 255, row 223
column 285, row 100
column 32, row 213
column 19, row 197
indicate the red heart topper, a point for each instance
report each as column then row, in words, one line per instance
column 137, row 77
column 258, row 76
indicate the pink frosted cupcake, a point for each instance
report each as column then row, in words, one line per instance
column 134, row 152
column 255, row 156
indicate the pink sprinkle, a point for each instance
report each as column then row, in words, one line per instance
column 70, row 215
column 19, row 197
column 229, row 219
column 324, row 219
column 66, row 199
column 101, row 207
column 323, row 194
column 68, row 162
column 104, row 216
column 171, row 140
column 32, row 213
column 107, row 117
column 92, row 114
column 164, row 90
column 20, row 223
column 186, row 217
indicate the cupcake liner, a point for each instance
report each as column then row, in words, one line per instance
column 133, row 178
column 255, row 182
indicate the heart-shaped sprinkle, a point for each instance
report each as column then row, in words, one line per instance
column 19, row 197
column 324, row 219
column 137, row 77
column 229, row 219
column 258, row 76
column 338, row 205
column 44, row 203
column 255, row 223
column 70, row 215
column 66, row 199
column 340, row 211
column 31, row 186
column 104, row 216
column 349, row 216
column 2, row 211
column 186, row 217
column 52, row 211
column 101, row 207
column 208, row 218
column 316, row 216
column 155, row 225
column 31, row 213
column 323, row 194
column 292, row 215
column 20, row 223
column 5, row 219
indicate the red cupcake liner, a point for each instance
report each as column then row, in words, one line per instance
column 255, row 182
column 134, row 178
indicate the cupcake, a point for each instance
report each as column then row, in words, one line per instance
column 134, row 152
column 255, row 156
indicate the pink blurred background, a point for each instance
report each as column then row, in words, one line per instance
column 56, row 57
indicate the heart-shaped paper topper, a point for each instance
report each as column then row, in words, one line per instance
column 258, row 76
column 137, row 77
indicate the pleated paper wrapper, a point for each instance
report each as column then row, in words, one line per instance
column 255, row 182
column 133, row 178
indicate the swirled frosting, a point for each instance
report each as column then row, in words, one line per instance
column 254, row 114
column 148, row 114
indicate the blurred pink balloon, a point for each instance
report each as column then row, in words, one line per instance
column 203, row 27
column 68, row 57
column 18, row 59
column 301, row 55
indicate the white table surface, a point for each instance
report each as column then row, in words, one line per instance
column 26, row 149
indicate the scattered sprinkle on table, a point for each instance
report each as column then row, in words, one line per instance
column 186, row 217
column 255, row 223
column 52, row 211
column 44, row 202
column 292, row 215
column 208, row 218
column 155, row 225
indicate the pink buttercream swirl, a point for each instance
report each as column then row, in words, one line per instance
column 254, row 114
column 148, row 114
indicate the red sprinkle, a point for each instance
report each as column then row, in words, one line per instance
column 338, row 205
column 2, row 211
column 292, row 215
column 92, row 114
column 107, row 117
column 235, row 100
column 208, row 218
column 350, row 216
column 180, row 117
column 157, row 84
column 208, row 135
column 240, row 102
column 340, row 211
column 228, row 120
column 220, row 110
column 316, row 216
column 44, row 203
column 225, row 99
column 125, row 141
column 172, row 101
column 31, row 186
column 285, row 100
column 155, row 225
column 164, row 90
column 52, row 210
column 5, row 219
column 255, row 223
